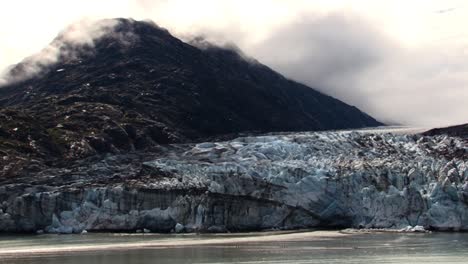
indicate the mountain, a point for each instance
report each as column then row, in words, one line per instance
column 137, row 87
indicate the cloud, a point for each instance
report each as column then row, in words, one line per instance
column 66, row 46
column 328, row 52
column 348, row 56
column 345, row 55
column 422, row 86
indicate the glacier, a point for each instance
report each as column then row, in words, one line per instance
column 277, row 181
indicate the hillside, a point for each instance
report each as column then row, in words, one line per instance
column 454, row 131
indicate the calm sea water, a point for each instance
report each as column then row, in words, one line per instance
column 244, row 248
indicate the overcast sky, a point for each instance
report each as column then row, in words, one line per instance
column 403, row 61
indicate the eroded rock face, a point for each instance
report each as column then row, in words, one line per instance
column 323, row 179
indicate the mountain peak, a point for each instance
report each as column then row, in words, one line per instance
column 86, row 38
column 88, row 31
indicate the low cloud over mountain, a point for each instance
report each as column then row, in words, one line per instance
column 402, row 62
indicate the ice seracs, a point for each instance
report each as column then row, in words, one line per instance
column 342, row 178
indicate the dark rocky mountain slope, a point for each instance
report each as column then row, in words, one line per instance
column 140, row 87
column 453, row 131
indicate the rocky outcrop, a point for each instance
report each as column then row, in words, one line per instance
column 454, row 131
column 322, row 179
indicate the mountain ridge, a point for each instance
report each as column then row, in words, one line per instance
column 454, row 131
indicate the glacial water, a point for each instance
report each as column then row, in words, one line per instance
column 302, row 247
